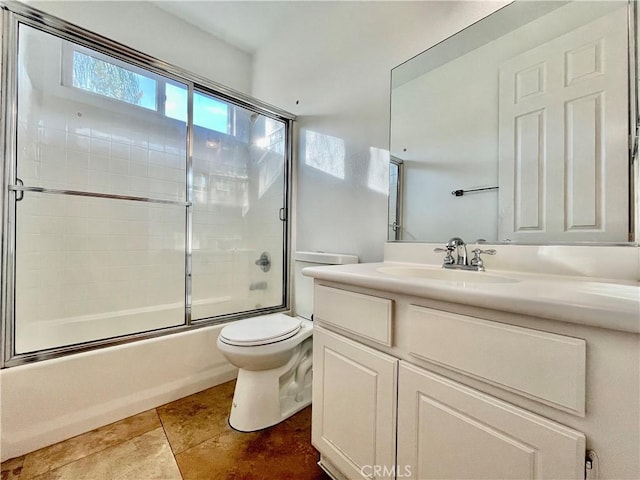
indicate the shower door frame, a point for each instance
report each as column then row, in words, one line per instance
column 12, row 14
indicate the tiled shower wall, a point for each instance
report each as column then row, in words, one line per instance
column 233, row 224
column 90, row 268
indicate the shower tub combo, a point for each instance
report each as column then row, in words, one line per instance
column 140, row 202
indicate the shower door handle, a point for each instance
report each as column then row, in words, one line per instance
column 18, row 189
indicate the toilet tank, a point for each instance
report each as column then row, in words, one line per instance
column 303, row 286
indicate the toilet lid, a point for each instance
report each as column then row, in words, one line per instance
column 260, row 330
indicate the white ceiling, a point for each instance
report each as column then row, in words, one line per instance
column 244, row 24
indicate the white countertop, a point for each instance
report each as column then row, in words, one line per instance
column 605, row 303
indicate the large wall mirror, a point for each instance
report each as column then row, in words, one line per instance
column 520, row 128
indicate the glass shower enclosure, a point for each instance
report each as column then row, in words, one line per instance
column 138, row 199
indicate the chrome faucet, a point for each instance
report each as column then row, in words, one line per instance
column 461, row 261
column 461, row 250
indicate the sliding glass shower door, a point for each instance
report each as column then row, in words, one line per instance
column 100, row 218
column 138, row 200
column 238, row 200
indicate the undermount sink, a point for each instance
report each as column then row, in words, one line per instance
column 441, row 274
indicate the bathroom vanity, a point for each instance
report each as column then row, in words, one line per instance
column 421, row 372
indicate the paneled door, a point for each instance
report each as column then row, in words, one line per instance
column 563, row 135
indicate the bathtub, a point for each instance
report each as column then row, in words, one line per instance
column 45, row 402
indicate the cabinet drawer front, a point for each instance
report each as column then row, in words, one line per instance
column 543, row 366
column 447, row 430
column 364, row 315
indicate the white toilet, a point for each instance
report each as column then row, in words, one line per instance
column 273, row 354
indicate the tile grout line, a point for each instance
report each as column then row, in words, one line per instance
column 164, row 431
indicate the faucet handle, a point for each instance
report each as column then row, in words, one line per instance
column 476, row 261
column 478, row 251
column 448, row 258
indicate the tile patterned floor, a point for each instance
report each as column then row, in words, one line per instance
column 188, row 439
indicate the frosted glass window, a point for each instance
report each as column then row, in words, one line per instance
column 108, row 79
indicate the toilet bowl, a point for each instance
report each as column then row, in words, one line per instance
column 274, row 354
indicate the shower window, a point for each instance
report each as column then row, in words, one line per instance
column 138, row 199
column 112, row 79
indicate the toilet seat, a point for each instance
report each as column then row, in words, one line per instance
column 260, row 330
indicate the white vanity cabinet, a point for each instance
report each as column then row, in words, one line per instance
column 371, row 368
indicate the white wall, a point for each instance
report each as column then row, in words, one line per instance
column 331, row 67
column 153, row 31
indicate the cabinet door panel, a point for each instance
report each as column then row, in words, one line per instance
column 447, row 430
column 353, row 404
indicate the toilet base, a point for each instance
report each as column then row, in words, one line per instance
column 267, row 397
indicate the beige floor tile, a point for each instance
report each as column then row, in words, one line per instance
column 282, row 452
column 75, row 448
column 196, row 428
column 145, row 457
column 11, row 469
column 196, row 418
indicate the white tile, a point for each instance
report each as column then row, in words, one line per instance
column 98, row 181
column 100, row 146
column 100, row 132
column 156, row 158
column 77, row 178
column 52, row 174
column 138, row 169
column 77, row 159
column 121, row 135
column 140, row 139
column 156, row 141
column 139, row 155
column 156, row 172
column 119, row 184
column 120, row 150
column 175, row 161
column 52, row 136
column 175, row 175
column 119, row 166
column 139, row 186
column 29, row 171
column 78, row 142
column 80, row 129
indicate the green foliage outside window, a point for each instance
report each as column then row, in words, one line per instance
column 104, row 78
